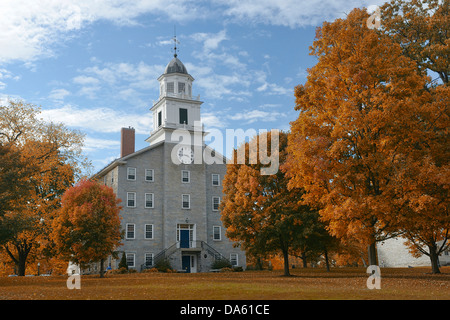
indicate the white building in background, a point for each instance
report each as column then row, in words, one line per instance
column 393, row 253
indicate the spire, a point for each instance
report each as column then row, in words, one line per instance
column 175, row 41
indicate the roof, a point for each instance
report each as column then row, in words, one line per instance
column 123, row 160
column 175, row 66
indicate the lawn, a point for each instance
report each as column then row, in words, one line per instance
column 316, row 284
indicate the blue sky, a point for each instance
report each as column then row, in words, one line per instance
column 93, row 65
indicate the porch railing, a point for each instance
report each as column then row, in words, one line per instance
column 166, row 253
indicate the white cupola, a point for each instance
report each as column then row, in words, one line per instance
column 175, row 108
column 175, row 81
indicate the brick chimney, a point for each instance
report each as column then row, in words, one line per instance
column 126, row 141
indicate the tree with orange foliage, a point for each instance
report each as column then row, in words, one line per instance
column 42, row 158
column 259, row 212
column 422, row 29
column 87, row 227
column 356, row 136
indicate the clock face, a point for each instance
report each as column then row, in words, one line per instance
column 185, row 155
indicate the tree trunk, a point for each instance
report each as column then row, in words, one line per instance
column 372, row 254
column 434, row 259
column 21, row 266
column 327, row 263
column 21, row 260
column 259, row 264
column 305, row 263
column 102, row 272
column 286, row 262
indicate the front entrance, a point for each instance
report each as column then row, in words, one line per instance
column 189, row 263
column 184, row 239
column 186, row 263
column 186, row 235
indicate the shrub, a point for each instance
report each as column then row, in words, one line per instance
column 163, row 265
column 150, row 270
column 120, row 271
column 220, row 264
column 123, row 262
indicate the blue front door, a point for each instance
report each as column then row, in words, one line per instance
column 184, row 238
column 186, row 263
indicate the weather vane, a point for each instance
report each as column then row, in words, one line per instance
column 175, row 41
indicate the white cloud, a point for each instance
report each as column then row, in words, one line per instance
column 270, row 88
column 58, row 94
column 91, row 144
column 211, row 120
column 85, row 80
column 212, row 54
column 5, row 75
column 210, row 41
column 255, row 115
column 28, row 29
column 291, row 13
column 274, row 89
column 103, row 120
column 140, row 75
column 106, row 161
column 122, row 80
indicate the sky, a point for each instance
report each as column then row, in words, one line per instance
column 93, row 65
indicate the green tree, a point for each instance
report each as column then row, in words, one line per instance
column 123, row 262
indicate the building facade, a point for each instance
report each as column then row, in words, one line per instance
column 393, row 253
column 171, row 190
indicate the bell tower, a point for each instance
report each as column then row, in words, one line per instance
column 176, row 108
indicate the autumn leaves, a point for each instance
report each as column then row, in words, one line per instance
column 369, row 149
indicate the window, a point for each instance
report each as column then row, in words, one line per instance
column 215, row 179
column 130, row 259
column 131, row 173
column 215, row 203
column 170, row 87
column 149, row 175
column 148, row 231
column 149, row 200
column 180, row 87
column 183, row 116
column 130, row 230
column 185, row 176
column 131, row 199
column 148, row 259
column 216, row 233
column 234, row 259
column 159, row 119
column 186, row 199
